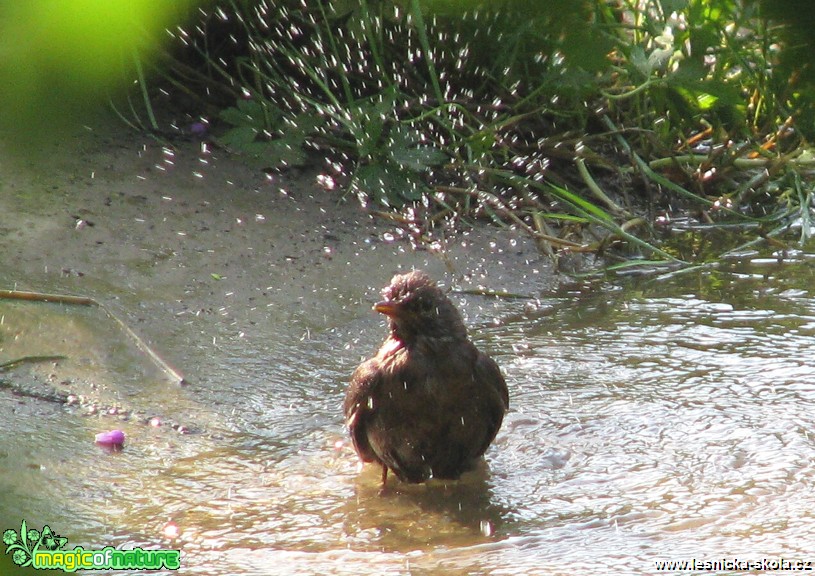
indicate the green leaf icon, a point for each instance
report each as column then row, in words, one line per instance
column 20, row 556
column 9, row 537
column 51, row 541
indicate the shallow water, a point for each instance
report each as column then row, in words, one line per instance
column 651, row 419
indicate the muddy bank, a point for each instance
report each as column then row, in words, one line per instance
column 197, row 253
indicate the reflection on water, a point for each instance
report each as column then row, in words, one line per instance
column 650, row 420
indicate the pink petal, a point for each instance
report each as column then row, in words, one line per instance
column 114, row 437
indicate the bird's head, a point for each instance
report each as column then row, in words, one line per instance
column 416, row 307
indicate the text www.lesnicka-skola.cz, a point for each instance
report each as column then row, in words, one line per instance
column 734, row 565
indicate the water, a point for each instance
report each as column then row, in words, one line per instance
column 650, row 420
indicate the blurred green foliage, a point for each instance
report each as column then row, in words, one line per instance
column 62, row 59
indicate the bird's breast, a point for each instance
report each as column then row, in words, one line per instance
column 390, row 347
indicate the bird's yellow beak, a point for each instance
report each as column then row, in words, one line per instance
column 386, row 308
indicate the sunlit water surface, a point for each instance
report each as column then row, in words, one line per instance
column 651, row 419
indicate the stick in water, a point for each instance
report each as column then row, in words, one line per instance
column 171, row 372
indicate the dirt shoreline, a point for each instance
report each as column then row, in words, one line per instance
column 178, row 241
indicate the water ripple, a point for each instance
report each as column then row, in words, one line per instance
column 656, row 422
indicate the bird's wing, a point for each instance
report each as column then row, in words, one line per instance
column 496, row 396
column 357, row 407
column 486, row 370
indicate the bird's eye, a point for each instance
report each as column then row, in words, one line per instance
column 426, row 306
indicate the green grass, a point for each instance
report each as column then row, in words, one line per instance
column 584, row 123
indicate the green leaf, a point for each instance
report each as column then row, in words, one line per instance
column 580, row 203
column 481, row 143
column 255, row 149
column 368, row 121
column 305, row 123
column 419, row 158
column 253, row 114
column 239, row 138
column 406, row 151
column 251, row 107
column 640, row 61
column 387, row 184
column 368, row 134
column 236, row 117
column 564, row 217
column 285, row 152
column 706, row 101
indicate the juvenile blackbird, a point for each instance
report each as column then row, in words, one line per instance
column 429, row 403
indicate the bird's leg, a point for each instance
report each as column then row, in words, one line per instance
column 384, row 488
column 384, row 476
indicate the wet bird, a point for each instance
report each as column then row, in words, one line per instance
column 429, row 403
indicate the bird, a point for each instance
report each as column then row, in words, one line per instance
column 429, row 403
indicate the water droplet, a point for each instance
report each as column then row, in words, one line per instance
column 326, row 182
column 171, row 530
